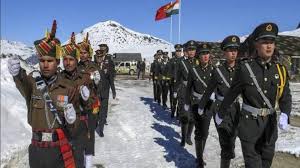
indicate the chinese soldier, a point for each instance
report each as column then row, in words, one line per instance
column 220, row 82
column 166, row 80
column 263, row 83
column 50, row 100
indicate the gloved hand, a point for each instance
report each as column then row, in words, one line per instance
column 200, row 111
column 70, row 113
column 114, row 95
column 14, row 66
column 96, row 77
column 283, row 121
column 84, row 92
column 218, row 119
column 213, row 96
column 175, row 95
column 186, row 107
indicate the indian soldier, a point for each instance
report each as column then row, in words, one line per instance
column 198, row 78
column 174, row 66
column 220, row 82
column 185, row 117
column 263, row 84
column 107, row 72
column 85, row 65
column 49, row 99
column 166, row 79
column 88, row 103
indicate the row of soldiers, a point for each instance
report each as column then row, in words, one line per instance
column 65, row 107
column 241, row 96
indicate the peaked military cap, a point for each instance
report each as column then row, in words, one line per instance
column 191, row 44
column 49, row 45
column 265, row 30
column 178, row 47
column 204, row 47
column 230, row 41
column 71, row 49
column 103, row 46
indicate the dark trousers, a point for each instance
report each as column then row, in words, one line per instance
column 157, row 90
column 102, row 114
column 79, row 142
column 227, row 141
column 90, row 145
column 45, row 157
column 138, row 73
column 258, row 137
column 202, row 123
column 166, row 87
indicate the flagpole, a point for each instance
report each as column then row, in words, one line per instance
column 179, row 21
column 171, row 33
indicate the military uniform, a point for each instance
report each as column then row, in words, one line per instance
column 219, row 84
column 186, row 118
column 257, row 128
column 79, row 131
column 91, row 68
column 166, row 81
column 174, row 67
column 49, row 136
column 156, row 74
column 107, row 73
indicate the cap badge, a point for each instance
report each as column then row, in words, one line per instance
column 233, row 39
column 269, row 28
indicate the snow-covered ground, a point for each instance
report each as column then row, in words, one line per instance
column 140, row 133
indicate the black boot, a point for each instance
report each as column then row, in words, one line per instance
column 199, row 153
column 225, row 163
column 189, row 133
column 183, row 134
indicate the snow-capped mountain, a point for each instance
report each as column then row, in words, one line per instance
column 122, row 39
column 16, row 48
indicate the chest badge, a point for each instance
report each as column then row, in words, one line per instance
column 276, row 76
column 62, row 100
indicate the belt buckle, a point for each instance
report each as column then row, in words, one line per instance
column 264, row 112
column 46, row 136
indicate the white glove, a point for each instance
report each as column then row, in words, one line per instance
column 175, row 95
column 96, row 77
column 283, row 121
column 213, row 96
column 14, row 66
column 218, row 119
column 200, row 111
column 70, row 113
column 85, row 93
column 186, row 108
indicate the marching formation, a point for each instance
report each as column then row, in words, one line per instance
column 241, row 95
column 65, row 107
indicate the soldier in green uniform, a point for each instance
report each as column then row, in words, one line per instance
column 83, row 83
column 49, row 99
column 156, row 75
column 174, row 66
column 186, row 118
column 220, row 82
column 166, row 80
column 199, row 75
column 85, row 65
column 263, row 83
column 107, row 72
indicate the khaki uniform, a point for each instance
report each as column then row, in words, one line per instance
column 61, row 94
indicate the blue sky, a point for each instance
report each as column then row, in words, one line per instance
column 209, row 20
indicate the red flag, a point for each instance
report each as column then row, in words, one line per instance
column 161, row 12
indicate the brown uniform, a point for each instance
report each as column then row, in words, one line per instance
column 92, row 118
column 79, row 130
column 44, row 153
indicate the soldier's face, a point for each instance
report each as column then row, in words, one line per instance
column 84, row 55
column 48, row 66
column 98, row 58
column 205, row 57
column 231, row 54
column 265, row 48
column 191, row 52
column 178, row 53
column 70, row 63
